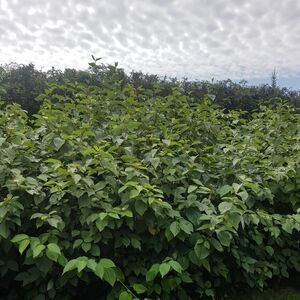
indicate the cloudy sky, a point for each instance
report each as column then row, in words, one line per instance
column 199, row 39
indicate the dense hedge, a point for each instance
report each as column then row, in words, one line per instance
column 107, row 197
column 22, row 84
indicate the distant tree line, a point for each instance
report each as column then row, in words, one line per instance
column 24, row 83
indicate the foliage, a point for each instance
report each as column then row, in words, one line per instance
column 277, row 294
column 112, row 194
column 2, row 84
column 22, row 84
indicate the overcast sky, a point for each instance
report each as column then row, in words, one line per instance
column 195, row 38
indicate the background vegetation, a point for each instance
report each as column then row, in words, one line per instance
column 112, row 189
column 23, row 83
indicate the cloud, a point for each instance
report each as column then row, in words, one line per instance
column 194, row 38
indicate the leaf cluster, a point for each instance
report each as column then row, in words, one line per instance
column 105, row 195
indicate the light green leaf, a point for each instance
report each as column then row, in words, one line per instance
column 151, row 274
column 139, row 288
column 186, row 226
column 175, row 228
column 91, row 264
column 53, row 222
column 224, row 207
column 58, row 142
column 81, row 265
column 225, row 189
column 71, row 265
column 244, row 195
column 134, row 193
column 37, row 250
column 23, row 245
column 99, row 270
column 110, row 276
column 192, row 188
column 106, row 263
column 76, row 178
column 164, row 268
column 19, row 238
column 176, row 266
column 125, row 296
column 54, row 248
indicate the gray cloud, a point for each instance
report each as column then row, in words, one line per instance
column 196, row 38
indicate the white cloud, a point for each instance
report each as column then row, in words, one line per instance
column 195, row 38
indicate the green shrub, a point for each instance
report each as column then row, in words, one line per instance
column 104, row 196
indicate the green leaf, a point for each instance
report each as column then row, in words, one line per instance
column 19, row 238
column 95, row 250
column 2, row 140
column 99, row 185
column 270, row 250
column 122, row 189
column 125, row 296
column 134, row 193
column 53, row 222
column 81, row 264
column 101, row 224
column 224, row 238
column 50, row 285
column 76, row 178
column 164, row 268
column 244, row 195
column 53, row 251
column 140, row 207
column 54, row 248
column 58, row 142
column 175, row 228
column 99, row 270
column 236, row 187
column 86, row 247
column 193, row 215
column 71, row 265
column 216, row 244
column 106, row 263
column 225, row 189
column 288, row 226
column 197, row 181
column 91, row 264
column 224, row 207
column 4, row 230
column 152, row 273
column 77, row 243
column 23, row 245
column 139, row 288
column 201, row 251
column 258, row 238
column 192, row 188
column 136, row 243
column 185, row 277
column 110, row 276
column 186, row 226
column 37, row 250
column 175, row 266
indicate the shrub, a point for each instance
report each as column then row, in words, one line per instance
column 104, row 196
